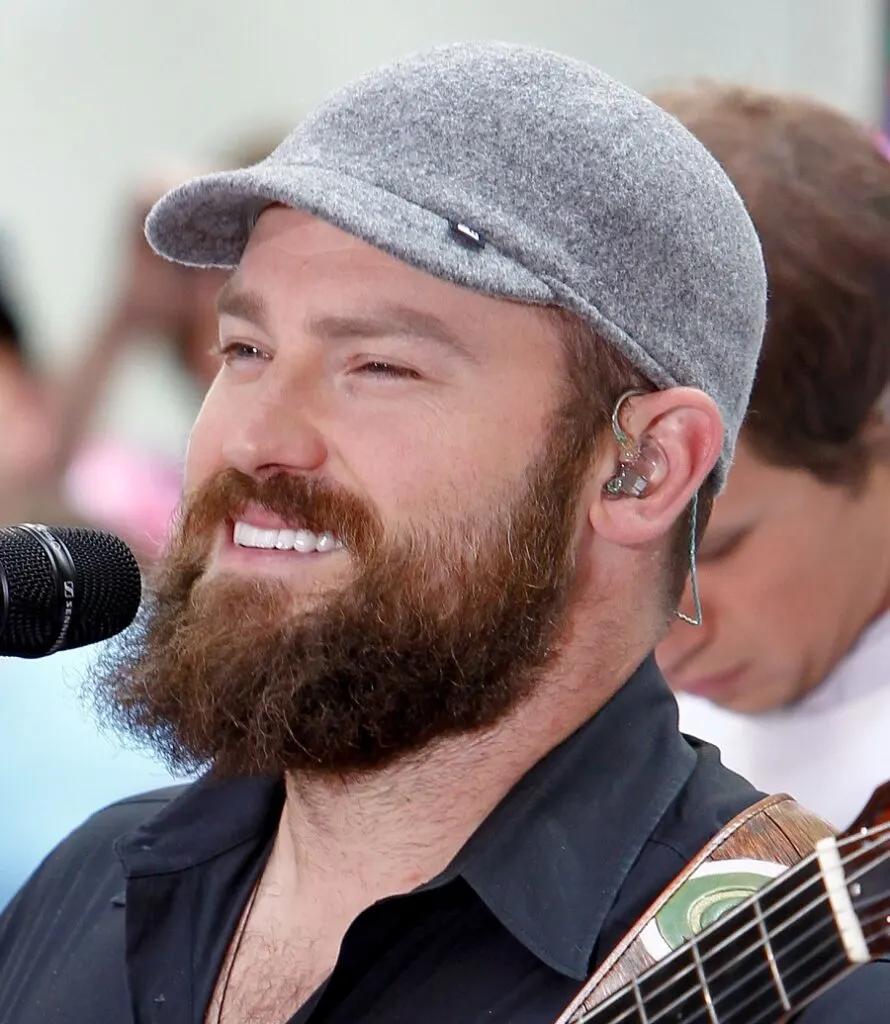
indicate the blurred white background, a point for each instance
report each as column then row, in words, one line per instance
column 94, row 92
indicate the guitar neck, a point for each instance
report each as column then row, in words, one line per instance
column 773, row 953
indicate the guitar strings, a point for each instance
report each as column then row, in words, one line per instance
column 847, row 860
column 703, row 1011
column 727, row 1016
column 768, row 1014
column 695, row 988
column 754, row 924
column 760, row 943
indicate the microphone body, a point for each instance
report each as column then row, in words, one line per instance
column 63, row 587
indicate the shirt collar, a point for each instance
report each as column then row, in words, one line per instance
column 550, row 859
column 208, row 819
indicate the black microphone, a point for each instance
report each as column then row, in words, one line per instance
column 63, row 587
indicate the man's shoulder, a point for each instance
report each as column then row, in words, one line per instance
column 133, row 810
column 70, row 907
column 114, row 820
column 88, row 853
column 720, row 814
column 711, row 798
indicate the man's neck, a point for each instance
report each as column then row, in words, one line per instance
column 393, row 830
column 390, row 831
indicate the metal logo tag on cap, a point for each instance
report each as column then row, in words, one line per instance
column 464, row 233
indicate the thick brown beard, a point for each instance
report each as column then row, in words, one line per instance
column 440, row 633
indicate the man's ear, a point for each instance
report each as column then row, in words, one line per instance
column 665, row 445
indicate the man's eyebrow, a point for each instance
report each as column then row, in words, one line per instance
column 242, row 304
column 388, row 321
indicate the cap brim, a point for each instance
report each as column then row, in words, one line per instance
column 207, row 222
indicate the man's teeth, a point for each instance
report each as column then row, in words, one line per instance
column 304, row 541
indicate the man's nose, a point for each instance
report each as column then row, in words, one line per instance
column 275, row 432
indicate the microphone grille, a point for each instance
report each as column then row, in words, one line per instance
column 107, row 592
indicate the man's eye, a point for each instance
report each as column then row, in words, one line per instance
column 235, row 351
column 380, row 368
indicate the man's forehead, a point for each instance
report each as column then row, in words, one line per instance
column 302, row 233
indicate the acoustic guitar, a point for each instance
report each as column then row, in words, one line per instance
column 772, row 954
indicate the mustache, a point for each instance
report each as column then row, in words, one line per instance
column 301, row 501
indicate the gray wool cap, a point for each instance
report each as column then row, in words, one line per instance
column 528, row 175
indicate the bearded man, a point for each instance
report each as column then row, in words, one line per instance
column 486, row 346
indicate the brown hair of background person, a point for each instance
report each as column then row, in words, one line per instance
column 796, row 563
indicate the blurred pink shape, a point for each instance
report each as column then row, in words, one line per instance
column 131, row 493
column 883, row 144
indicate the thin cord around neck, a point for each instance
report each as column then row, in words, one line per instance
column 235, row 949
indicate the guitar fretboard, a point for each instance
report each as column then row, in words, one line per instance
column 753, row 965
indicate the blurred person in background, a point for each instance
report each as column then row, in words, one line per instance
column 54, row 465
column 55, row 767
column 118, row 485
column 114, row 484
column 81, row 473
column 26, row 434
column 789, row 674
column 55, row 468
